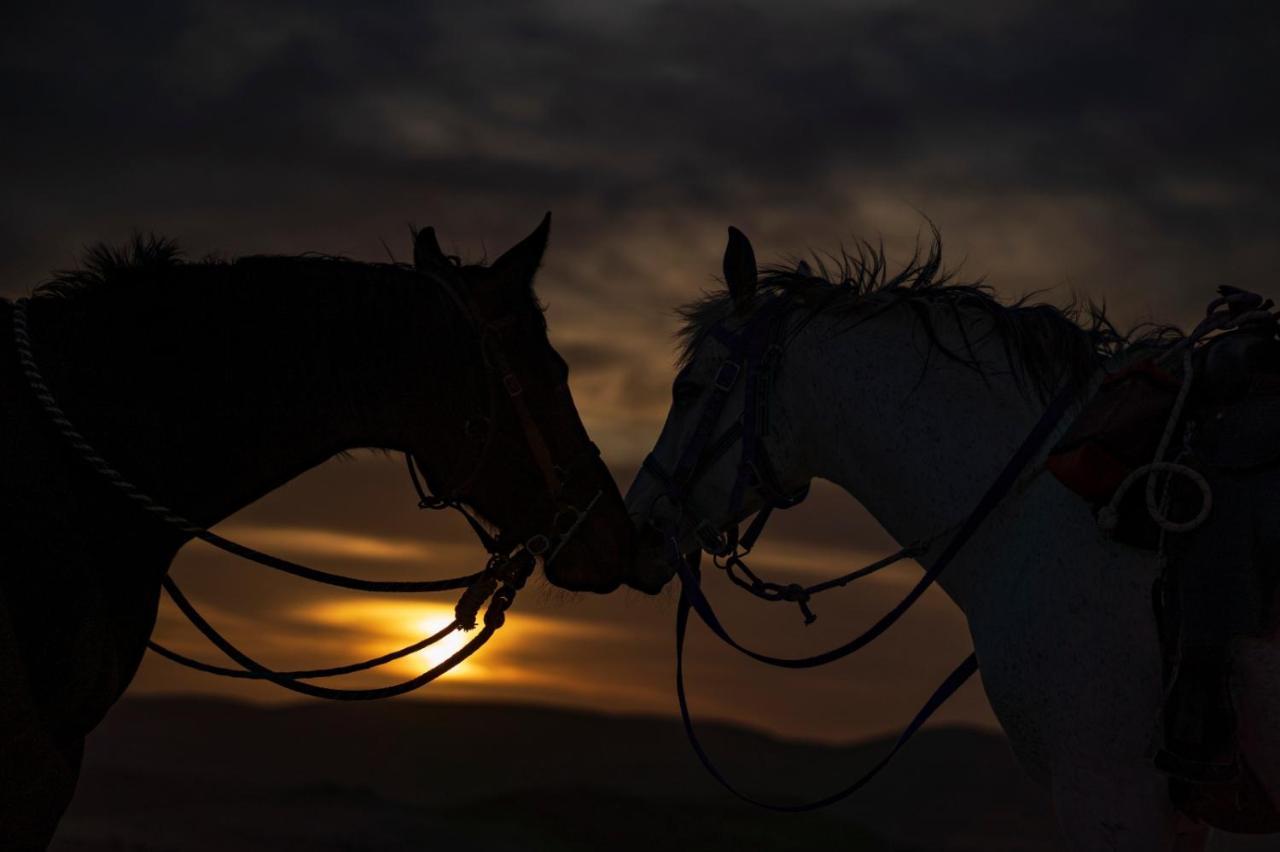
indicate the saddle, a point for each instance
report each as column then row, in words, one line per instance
column 1230, row 424
column 1226, row 430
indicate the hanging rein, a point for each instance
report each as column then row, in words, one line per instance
column 509, row 566
column 754, row 353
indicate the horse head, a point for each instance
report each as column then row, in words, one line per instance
column 712, row 465
column 524, row 462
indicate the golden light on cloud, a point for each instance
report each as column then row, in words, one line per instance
column 314, row 541
column 383, row 625
column 397, row 623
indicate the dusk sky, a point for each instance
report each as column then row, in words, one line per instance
column 1123, row 151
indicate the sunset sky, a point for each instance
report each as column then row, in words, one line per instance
column 1124, row 151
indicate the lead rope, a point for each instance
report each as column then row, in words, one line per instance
column 1232, row 309
column 499, row 582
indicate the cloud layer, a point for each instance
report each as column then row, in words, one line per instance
column 1125, row 150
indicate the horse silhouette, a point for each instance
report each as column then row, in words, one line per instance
column 911, row 392
column 211, row 383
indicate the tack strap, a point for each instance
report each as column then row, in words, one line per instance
column 954, row 681
column 292, row 682
column 333, row 671
column 691, row 587
column 693, row 598
column 497, row 584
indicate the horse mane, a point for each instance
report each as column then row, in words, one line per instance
column 1046, row 346
column 104, row 267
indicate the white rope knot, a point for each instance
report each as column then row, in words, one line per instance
column 1109, row 515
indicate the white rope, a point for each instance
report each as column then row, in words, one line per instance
column 79, row 442
column 1109, row 515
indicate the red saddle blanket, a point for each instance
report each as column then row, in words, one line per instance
column 1118, row 430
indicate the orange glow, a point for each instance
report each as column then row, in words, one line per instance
column 313, row 541
column 391, row 623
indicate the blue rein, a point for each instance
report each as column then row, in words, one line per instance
column 753, row 352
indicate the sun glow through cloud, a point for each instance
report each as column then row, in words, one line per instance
column 396, row 623
column 327, row 542
column 382, row 625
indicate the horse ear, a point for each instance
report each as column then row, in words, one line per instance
column 426, row 250
column 519, row 263
column 739, row 267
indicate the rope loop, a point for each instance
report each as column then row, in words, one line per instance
column 1109, row 515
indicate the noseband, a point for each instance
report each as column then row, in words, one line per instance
column 511, row 559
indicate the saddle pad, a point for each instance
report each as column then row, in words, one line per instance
column 1118, row 430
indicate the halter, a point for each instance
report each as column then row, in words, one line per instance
column 505, row 380
column 754, row 352
column 508, row 568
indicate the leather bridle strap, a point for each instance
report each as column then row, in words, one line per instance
column 692, row 595
column 954, row 681
column 498, row 582
column 693, row 598
column 533, row 436
column 290, row 681
column 752, row 356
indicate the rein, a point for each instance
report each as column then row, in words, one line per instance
column 753, row 352
column 508, row 568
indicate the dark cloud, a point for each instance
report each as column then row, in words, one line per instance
column 687, row 99
column 1123, row 147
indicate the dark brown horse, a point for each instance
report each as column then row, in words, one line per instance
column 209, row 385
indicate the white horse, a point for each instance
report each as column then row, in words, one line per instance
column 911, row 393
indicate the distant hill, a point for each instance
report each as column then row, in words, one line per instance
column 200, row 774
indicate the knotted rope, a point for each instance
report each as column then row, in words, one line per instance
column 497, row 583
column 1109, row 515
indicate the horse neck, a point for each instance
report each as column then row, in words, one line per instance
column 915, row 437
column 213, row 385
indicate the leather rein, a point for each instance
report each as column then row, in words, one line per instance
column 754, row 352
column 511, row 561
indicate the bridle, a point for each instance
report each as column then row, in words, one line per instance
column 511, row 557
column 503, row 382
column 754, row 352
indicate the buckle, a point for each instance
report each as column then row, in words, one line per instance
column 512, row 384
column 714, row 541
column 727, row 375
